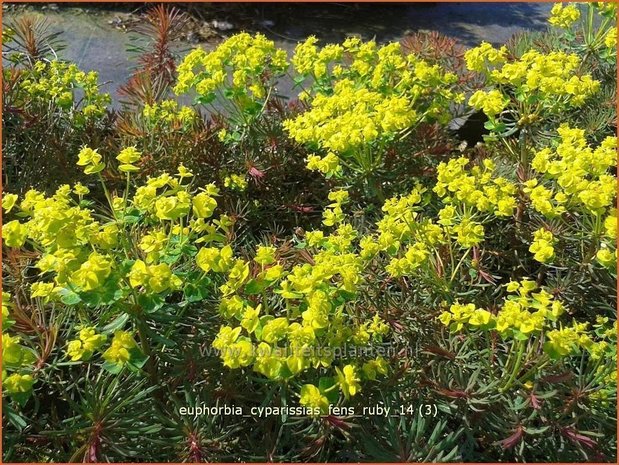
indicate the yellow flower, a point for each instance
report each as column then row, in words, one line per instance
column 492, row 103
column 564, row 17
column 93, row 272
column 41, row 289
column 91, row 160
column 348, row 380
column 203, row 205
column 212, row 258
column 226, row 337
column 235, row 182
column 610, row 41
column 469, row 233
column 275, row 330
column 171, row 208
column 607, row 257
column 119, row 351
column 17, row 383
column 8, row 202
column 480, row 318
column 565, row 341
column 375, row 367
column 129, row 155
column 312, row 397
column 14, row 233
column 265, row 255
column 80, row 189
column 12, row 351
column 184, row 172
column 239, row 354
column 75, row 351
column 329, row 165
column 478, row 58
column 542, row 245
column 250, row 319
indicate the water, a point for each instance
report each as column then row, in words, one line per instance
column 95, row 44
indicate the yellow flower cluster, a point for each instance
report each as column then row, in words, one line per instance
column 120, row 351
column 168, row 114
column 153, row 278
column 600, row 341
column 564, row 16
column 308, row 59
column 333, row 214
column 408, row 240
column 567, row 341
column 580, row 175
column 527, row 313
column 610, row 40
column 312, row 397
column 127, row 157
column 484, row 56
column 329, row 165
column 16, row 358
column 131, row 258
column 243, row 66
column 606, row 256
column 84, row 347
column 544, row 81
column 365, row 93
column 12, row 352
column 7, row 35
column 477, row 188
column 91, row 161
column 542, row 246
column 236, row 182
column 302, row 321
column 57, row 82
column 492, row 102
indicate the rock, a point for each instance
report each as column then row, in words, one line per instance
column 193, row 37
column 266, row 23
column 222, row 25
column 206, row 32
column 470, row 127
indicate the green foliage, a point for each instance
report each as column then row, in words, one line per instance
column 327, row 279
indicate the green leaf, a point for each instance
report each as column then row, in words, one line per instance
column 118, row 323
column 131, row 219
column 150, row 303
column 324, row 384
column 194, row 293
column 172, row 257
column 21, row 397
column 298, row 80
column 162, row 340
column 205, row 99
column 14, row 418
column 255, row 286
column 113, row 368
column 138, row 359
column 68, row 297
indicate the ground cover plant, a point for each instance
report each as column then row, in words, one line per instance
column 325, row 276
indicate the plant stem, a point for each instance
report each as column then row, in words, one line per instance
column 516, row 369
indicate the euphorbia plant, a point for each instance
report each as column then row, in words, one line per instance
column 157, row 248
column 117, row 265
column 362, row 99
